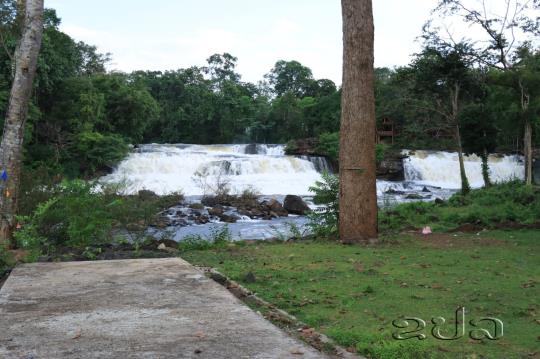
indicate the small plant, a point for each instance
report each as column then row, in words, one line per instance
column 249, row 194
column 91, row 253
column 218, row 184
column 5, row 261
column 292, row 232
column 218, row 237
column 380, row 152
column 324, row 220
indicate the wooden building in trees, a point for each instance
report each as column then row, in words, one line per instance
column 386, row 131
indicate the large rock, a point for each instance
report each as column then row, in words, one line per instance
column 275, row 207
column 391, row 169
column 216, row 211
column 295, row 205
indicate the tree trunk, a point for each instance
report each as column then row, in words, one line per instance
column 485, row 169
column 454, row 95
column 465, row 187
column 358, row 192
column 12, row 139
column 527, row 149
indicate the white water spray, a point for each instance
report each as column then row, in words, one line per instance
column 442, row 168
column 165, row 169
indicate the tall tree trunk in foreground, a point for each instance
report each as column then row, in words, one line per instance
column 358, row 193
column 12, row 139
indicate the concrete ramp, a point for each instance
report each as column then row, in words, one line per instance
column 147, row 308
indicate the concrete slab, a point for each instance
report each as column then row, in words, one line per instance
column 147, row 308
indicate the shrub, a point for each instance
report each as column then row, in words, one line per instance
column 5, row 261
column 381, row 150
column 488, row 207
column 218, row 237
column 95, row 151
column 324, row 220
column 329, row 145
column 76, row 216
column 291, row 147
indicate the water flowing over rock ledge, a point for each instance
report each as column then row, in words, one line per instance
column 267, row 170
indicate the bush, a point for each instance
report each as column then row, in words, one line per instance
column 76, row 216
column 291, row 147
column 324, row 220
column 6, row 261
column 218, row 237
column 381, row 149
column 329, row 145
column 511, row 202
column 95, row 151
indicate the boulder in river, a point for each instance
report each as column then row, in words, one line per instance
column 216, row 211
column 295, row 205
column 275, row 207
column 414, row 196
column 229, row 218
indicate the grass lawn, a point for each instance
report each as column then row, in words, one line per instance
column 353, row 293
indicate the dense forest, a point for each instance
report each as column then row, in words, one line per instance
column 83, row 118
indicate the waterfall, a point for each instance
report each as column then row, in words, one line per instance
column 320, row 163
column 265, row 168
column 170, row 168
column 442, row 168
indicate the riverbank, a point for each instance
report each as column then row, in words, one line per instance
column 354, row 293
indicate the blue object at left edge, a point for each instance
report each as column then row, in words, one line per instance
column 4, row 175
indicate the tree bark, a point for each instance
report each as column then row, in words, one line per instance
column 465, row 187
column 485, row 169
column 12, row 138
column 358, row 192
column 527, row 149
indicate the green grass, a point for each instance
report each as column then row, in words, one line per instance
column 503, row 205
column 353, row 293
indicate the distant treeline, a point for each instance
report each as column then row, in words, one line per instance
column 82, row 117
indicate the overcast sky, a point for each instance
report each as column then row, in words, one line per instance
column 172, row 34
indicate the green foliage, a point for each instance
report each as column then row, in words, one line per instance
column 220, row 236
column 329, row 145
column 324, row 220
column 98, row 152
column 501, row 204
column 392, row 349
column 322, row 283
column 6, row 261
column 75, row 216
column 381, row 151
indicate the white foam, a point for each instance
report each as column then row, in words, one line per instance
column 166, row 169
column 442, row 168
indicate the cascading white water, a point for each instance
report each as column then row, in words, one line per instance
column 171, row 168
column 165, row 169
column 442, row 168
